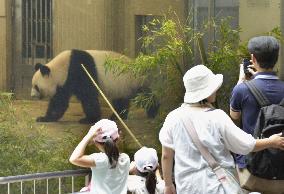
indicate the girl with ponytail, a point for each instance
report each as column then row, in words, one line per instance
column 146, row 178
column 109, row 167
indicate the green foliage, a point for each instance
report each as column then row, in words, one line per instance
column 225, row 47
column 145, row 100
column 276, row 32
column 224, row 58
column 168, row 53
column 168, row 44
column 26, row 147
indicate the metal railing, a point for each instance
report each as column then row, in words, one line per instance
column 45, row 176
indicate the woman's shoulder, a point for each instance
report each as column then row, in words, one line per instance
column 217, row 112
column 218, row 115
column 124, row 155
column 174, row 115
column 99, row 155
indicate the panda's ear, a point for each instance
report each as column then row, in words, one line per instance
column 44, row 70
column 37, row 66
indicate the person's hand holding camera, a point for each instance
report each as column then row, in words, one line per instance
column 246, row 70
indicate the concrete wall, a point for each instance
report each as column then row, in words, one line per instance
column 104, row 24
column 82, row 24
column 258, row 17
column 145, row 7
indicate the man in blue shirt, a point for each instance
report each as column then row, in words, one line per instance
column 264, row 52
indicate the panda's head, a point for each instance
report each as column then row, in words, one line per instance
column 42, row 84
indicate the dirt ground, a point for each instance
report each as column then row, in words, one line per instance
column 139, row 124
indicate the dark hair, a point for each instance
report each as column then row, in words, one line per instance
column 265, row 49
column 151, row 180
column 111, row 151
column 203, row 102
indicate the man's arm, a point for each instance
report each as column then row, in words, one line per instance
column 236, row 117
column 274, row 141
column 167, row 167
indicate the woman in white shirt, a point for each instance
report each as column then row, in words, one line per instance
column 146, row 178
column 215, row 130
column 109, row 167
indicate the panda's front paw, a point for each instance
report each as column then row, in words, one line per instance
column 44, row 119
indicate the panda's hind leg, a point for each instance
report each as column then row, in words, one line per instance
column 91, row 107
column 121, row 106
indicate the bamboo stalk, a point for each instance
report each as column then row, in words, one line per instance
column 202, row 51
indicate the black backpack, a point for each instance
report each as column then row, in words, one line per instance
column 268, row 163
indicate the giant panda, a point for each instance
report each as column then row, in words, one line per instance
column 63, row 77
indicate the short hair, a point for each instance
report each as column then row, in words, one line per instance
column 265, row 49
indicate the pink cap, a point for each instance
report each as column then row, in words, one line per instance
column 109, row 130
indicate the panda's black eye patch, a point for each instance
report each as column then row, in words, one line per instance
column 36, row 88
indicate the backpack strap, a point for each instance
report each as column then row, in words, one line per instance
column 196, row 141
column 260, row 97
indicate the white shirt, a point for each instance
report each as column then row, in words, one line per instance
column 106, row 180
column 136, row 185
column 218, row 133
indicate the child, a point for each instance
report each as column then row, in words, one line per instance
column 147, row 179
column 109, row 167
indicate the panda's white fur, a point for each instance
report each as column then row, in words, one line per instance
column 48, row 84
column 115, row 87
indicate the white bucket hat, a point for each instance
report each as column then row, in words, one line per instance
column 200, row 82
column 109, row 130
column 146, row 159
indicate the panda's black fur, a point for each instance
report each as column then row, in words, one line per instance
column 79, row 84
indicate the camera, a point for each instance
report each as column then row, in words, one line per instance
column 246, row 63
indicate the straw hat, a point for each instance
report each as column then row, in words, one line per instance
column 200, row 82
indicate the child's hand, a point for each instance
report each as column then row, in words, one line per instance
column 132, row 168
column 94, row 132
